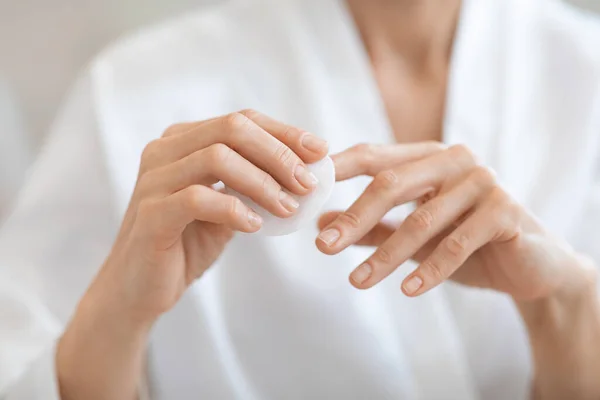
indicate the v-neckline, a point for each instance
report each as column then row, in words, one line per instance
column 459, row 125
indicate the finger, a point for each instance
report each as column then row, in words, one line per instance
column 242, row 134
column 185, row 127
column 422, row 226
column 375, row 237
column 391, row 188
column 220, row 163
column 327, row 218
column 370, row 159
column 165, row 219
column 493, row 220
column 174, row 144
column 275, row 151
column 309, row 147
column 260, row 148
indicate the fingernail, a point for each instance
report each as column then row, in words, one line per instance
column 330, row 236
column 313, row 143
column 254, row 219
column 305, row 177
column 411, row 285
column 361, row 274
column 288, row 202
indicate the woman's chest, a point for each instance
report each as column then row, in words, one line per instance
column 414, row 105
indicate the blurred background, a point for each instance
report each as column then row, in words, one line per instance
column 43, row 45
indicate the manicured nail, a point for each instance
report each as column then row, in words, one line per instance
column 330, row 236
column 313, row 143
column 361, row 274
column 305, row 177
column 412, row 285
column 288, row 202
column 254, row 219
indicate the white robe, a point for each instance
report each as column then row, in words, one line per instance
column 275, row 319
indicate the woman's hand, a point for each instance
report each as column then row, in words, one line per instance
column 466, row 227
column 176, row 226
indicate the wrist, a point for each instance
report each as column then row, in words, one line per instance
column 563, row 329
column 576, row 292
column 101, row 353
column 115, row 294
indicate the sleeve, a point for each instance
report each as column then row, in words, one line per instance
column 51, row 246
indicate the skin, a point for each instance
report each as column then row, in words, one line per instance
column 466, row 228
column 409, row 44
column 174, row 229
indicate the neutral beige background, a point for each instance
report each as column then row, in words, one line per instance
column 43, row 43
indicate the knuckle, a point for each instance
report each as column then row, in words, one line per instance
column 385, row 180
column 363, row 148
column 461, row 149
column 292, row 133
column 463, row 153
column 152, row 153
column 193, row 197
column 365, row 154
column 420, row 220
column 349, row 219
column 235, row 123
column 235, row 208
column 383, row 255
column 269, row 185
column 484, row 175
column 504, row 211
column 284, row 154
column 435, row 145
column 218, row 153
column 456, row 246
column 498, row 197
column 173, row 130
column 434, row 269
column 146, row 182
column 250, row 113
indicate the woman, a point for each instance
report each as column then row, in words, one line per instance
column 515, row 83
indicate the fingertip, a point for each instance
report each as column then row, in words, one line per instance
column 306, row 179
column 324, row 248
column 249, row 230
column 254, row 222
column 412, row 286
column 359, row 278
column 315, row 148
column 327, row 240
column 356, row 285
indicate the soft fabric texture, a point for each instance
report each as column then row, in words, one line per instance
column 275, row 318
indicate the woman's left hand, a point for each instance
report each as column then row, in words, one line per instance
column 466, row 227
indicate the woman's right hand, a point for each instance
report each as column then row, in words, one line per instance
column 177, row 224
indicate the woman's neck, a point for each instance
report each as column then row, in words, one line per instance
column 419, row 33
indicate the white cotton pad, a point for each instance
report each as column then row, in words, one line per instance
column 310, row 205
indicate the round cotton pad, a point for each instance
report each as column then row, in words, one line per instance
column 310, row 205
